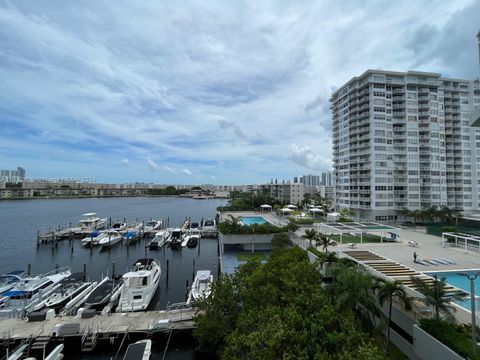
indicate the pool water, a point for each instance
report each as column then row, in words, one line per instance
column 251, row 220
column 461, row 282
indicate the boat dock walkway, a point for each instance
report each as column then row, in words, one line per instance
column 104, row 326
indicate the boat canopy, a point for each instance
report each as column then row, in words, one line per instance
column 89, row 214
column 203, row 275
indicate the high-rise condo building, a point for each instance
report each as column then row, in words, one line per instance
column 403, row 140
column 475, row 120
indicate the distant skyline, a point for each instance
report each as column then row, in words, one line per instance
column 214, row 92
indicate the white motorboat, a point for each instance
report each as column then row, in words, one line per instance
column 141, row 350
column 69, row 288
column 139, row 285
column 92, row 239
column 31, row 292
column 175, row 238
column 209, row 228
column 8, row 281
column 201, row 286
column 103, row 293
column 153, row 225
column 191, row 238
column 91, row 221
column 119, row 226
column 109, row 238
column 159, row 240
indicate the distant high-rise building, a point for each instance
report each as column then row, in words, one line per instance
column 403, row 140
column 309, row 180
column 18, row 173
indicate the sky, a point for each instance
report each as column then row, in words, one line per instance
column 217, row 92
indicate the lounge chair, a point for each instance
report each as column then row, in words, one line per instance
column 413, row 243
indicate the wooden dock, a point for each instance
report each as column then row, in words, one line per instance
column 104, row 326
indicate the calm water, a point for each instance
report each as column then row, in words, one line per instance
column 20, row 220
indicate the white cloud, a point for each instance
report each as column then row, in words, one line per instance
column 152, row 164
column 237, row 83
column 213, row 177
column 303, row 156
column 186, row 171
column 125, row 162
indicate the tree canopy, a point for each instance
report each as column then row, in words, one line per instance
column 277, row 310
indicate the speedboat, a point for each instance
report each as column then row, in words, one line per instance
column 91, row 221
column 159, row 240
column 92, row 239
column 31, row 292
column 103, row 293
column 153, row 225
column 194, row 226
column 8, row 281
column 118, row 226
column 141, row 350
column 201, row 286
column 69, row 288
column 109, row 238
column 139, row 285
column 209, row 228
column 191, row 238
column 175, row 239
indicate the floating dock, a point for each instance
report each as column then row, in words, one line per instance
column 99, row 327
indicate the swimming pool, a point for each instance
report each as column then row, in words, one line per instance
column 251, row 220
column 461, row 282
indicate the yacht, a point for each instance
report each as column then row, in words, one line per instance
column 31, row 292
column 153, row 225
column 201, row 286
column 141, row 350
column 159, row 240
column 92, row 239
column 104, row 293
column 69, row 288
column 8, row 281
column 175, row 239
column 109, row 238
column 139, row 285
column 91, row 221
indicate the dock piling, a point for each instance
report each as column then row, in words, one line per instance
column 29, row 269
column 84, row 272
column 38, row 238
column 168, row 268
column 193, row 271
column 113, row 270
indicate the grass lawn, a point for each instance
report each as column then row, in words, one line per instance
column 347, row 238
column 250, row 256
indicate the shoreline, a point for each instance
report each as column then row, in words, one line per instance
column 97, row 197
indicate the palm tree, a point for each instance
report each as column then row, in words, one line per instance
column 386, row 291
column 310, row 235
column 233, row 222
column 347, row 213
column 406, row 213
column 353, row 287
column 325, row 241
column 437, row 295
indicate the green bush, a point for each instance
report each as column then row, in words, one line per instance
column 267, row 228
column 457, row 337
column 280, row 240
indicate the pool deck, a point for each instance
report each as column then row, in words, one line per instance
column 430, row 247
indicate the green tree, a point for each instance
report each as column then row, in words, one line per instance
column 277, row 310
column 280, row 240
column 387, row 290
column 325, row 241
column 437, row 295
column 310, row 235
column 352, row 289
column 347, row 213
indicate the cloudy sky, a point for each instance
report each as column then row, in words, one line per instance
column 223, row 92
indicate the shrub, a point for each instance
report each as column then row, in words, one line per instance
column 455, row 336
column 280, row 240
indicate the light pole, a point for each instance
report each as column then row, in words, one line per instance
column 472, row 277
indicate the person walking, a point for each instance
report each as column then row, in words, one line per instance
column 414, row 256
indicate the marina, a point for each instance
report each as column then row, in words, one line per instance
column 101, row 271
